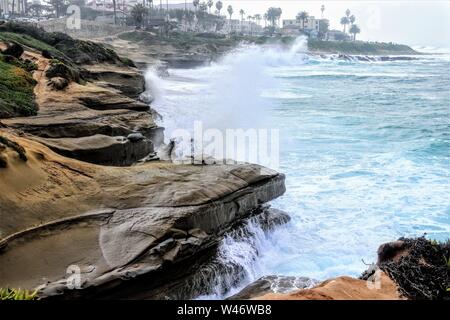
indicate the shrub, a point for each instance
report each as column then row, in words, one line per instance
column 13, row 49
column 16, row 90
column 59, row 69
column 17, row 294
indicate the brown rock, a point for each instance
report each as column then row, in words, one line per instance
column 344, row 288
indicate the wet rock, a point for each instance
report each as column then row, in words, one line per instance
column 134, row 137
column 146, row 97
column 273, row 284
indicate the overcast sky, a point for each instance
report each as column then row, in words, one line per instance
column 410, row 22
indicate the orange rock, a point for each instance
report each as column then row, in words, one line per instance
column 344, row 288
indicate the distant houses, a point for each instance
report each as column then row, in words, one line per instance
column 311, row 27
column 242, row 26
column 187, row 16
column 310, row 23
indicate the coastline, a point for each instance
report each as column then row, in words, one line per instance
column 186, row 238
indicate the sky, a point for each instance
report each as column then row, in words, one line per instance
column 413, row 22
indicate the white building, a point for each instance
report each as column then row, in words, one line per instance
column 311, row 23
column 244, row 26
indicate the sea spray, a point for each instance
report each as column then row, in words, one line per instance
column 363, row 146
column 234, row 98
column 236, row 263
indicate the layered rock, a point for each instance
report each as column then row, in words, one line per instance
column 72, row 219
column 115, row 224
column 88, row 121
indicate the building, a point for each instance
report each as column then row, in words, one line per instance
column 244, row 26
column 311, row 23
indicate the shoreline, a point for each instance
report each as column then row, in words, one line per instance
column 201, row 219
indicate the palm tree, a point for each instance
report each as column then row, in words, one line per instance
column 302, row 16
column 257, row 17
column 347, row 13
column 265, row 16
column 242, row 12
column 352, row 19
column 230, row 11
column 115, row 12
column 195, row 3
column 322, row 9
column 219, row 6
column 354, row 29
column 273, row 14
column 344, row 22
column 138, row 12
column 210, row 4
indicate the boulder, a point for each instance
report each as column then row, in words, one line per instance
column 13, row 49
column 46, row 54
column 136, row 136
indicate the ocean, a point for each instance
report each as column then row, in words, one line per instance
column 364, row 145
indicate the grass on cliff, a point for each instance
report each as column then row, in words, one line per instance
column 28, row 41
column 359, row 47
column 59, row 45
column 16, row 91
column 17, row 294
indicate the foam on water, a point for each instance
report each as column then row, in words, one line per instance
column 365, row 147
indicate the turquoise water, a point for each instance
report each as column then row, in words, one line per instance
column 365, row 147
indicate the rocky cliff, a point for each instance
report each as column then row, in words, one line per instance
column 78, row 210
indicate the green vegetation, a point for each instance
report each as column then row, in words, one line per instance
column 30, row 42
column 358, row 47
column 59, row 45
column 16, row 91
column 59, row 69
column 17, row 294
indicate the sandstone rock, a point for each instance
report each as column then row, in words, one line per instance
column 121, row 222
column 101, row 149
column 128, row 81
